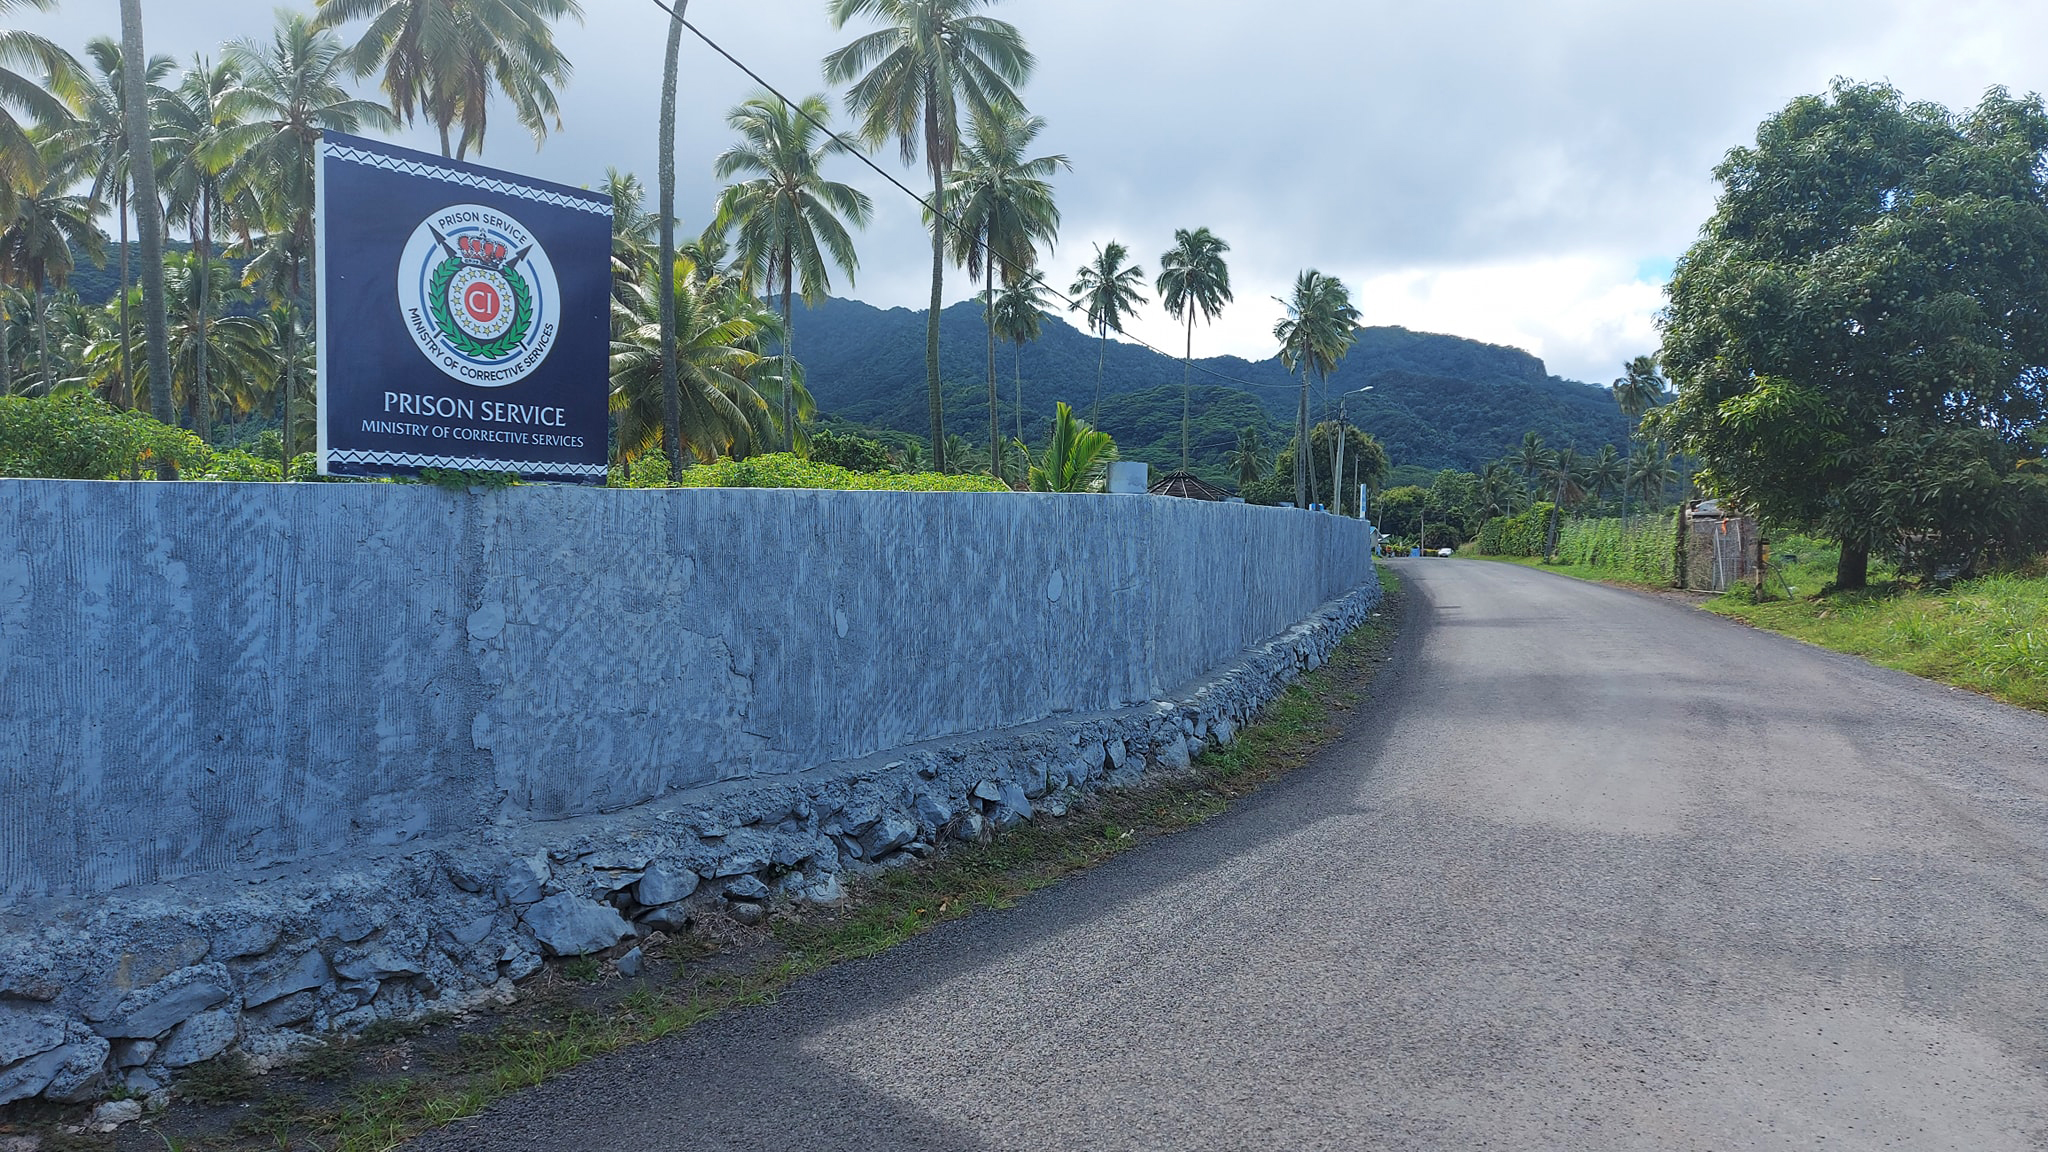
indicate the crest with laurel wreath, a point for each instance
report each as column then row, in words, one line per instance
column 479, row 300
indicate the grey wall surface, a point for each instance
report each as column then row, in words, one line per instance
column 197, row 677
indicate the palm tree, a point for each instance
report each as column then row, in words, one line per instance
column 1193, row 279
column 1003, row 204
column 149, row 216
column 1018, row 317
column 96, row 141
column 1606, row 472
column 447, row 60
column 202, row 108
column 38, row 243
column 723, row 414
column 1639, row 389
column 1499, row 490
column 1651, row 473
column 291, row 91
column 220, row 345
column 1320, row 326
column 1076, row 453
column 908, row 80
column 1108, row 291
column 1567, row 475
column 1532, row 457
column 1249, row 458
column 633, row 229
column 24, row 102
column 788, row 218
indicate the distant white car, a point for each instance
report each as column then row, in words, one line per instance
column 1443, row 551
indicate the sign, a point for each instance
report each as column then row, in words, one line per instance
column 463, row 318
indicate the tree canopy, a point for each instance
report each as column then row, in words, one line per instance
column 1869, row 295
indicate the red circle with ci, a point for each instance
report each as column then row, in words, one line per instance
column 483, row 302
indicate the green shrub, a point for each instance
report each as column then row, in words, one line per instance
column 79, row 437
column 1639, row 548
column 1522, row 534
column 782, row 470
column 853, row 453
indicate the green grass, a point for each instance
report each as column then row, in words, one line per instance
column 568, row 1021
column 1988, row 635
column 1596, row 574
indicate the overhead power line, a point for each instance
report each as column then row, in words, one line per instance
column 1028, row 274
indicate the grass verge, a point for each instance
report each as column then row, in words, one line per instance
column 1988, row 635
column 374, row 1092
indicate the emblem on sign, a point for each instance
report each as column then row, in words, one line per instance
column 479, row 295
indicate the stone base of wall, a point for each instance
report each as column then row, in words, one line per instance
column 130, row 988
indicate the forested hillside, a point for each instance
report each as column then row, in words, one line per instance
column 1437, row 401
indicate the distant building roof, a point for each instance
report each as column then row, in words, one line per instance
column 1188, row 486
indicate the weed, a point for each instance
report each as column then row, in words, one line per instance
column 225, row 1079
column 582, row 970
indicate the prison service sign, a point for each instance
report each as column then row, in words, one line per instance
column 463, row 318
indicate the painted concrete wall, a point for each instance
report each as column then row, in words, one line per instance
column 196, row 677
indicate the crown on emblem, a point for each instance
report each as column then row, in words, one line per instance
column 488, row 253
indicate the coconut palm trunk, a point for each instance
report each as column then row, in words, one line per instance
column 665, row 275
column 202, row 389
column 935, row 396
column 1101, row 350
column 1301, row 447
column 125, row 384
column 42, row 309
column 149, row 216
column 1018, row 365
column 995, row 416
column 1187, row 364
column 6, row 368
column 788, row 360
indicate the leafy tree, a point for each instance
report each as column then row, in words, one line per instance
column 1004, row 205
column 37, row 246
column 1193, row 280
column 853, row 453
column 1870, row 295
column 1320, row 326
column 448, row 60
column 1076, row 456
column 1107, row 290
column 789, row 219
column 908, row 81
column 1019, row 317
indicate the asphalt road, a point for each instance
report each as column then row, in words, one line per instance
column 1598, row 872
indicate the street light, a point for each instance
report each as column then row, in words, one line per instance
column 1337, row 474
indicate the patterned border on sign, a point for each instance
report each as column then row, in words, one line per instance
column 469, row 180
column 465, row 463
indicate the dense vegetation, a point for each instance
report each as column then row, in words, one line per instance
column 1437, row 401
column 1860, row 337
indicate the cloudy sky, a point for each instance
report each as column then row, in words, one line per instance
column 1519, row 171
